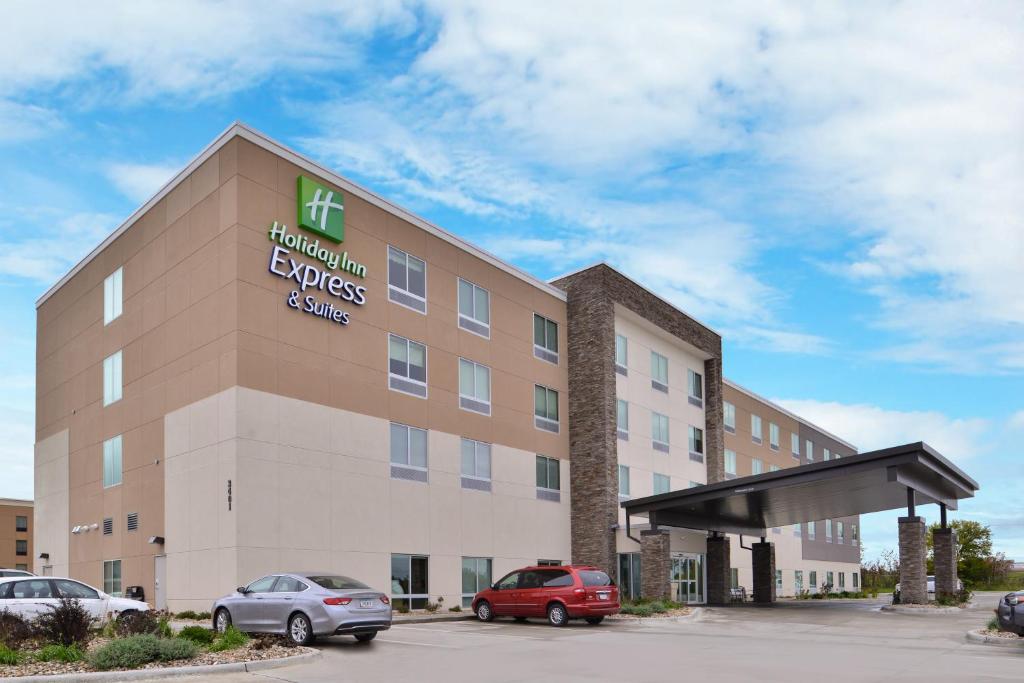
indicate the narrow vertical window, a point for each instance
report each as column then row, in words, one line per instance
column 756, row 433
column 794, row 444
column 112, row 462
column 696, row 444
column 474, row 309
column 113, row 297
column 476, row 576
column 548, row 484
column 112, row 380
column 621, row 354
column 407, row 366
column 809, row 448
column 408, row 452
column 407, row 280
column 545, row 408
column 773, row 436
column 623, row 482
column 545, row 339
column 730, row 462
column 695, row 388
column 756, row 466
column 659, row 432
column 474, row 387
column 662, row 483
column 622, row 419
column 476, row 465
column 659, row 371
column 729, row 417
column 112, row 577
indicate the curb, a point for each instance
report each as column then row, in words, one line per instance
column 696, row 615
column 925, row 611
column 395, row 621
column 171, row 671
column 978, row 637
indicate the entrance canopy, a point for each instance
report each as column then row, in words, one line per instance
column 856, row 484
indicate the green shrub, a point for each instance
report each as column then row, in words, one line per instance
column 637, row 609
column 135, row 623
column 65, row 623
column 14, row 630
column 60, row 653
column 457, row 608
column 431, row 607
column 10, row 657
column 818, row 596
column 658, row 607
column 205, row 616
column 993, row 624
column 187, row 614
column 229, row 640
column 197, row 634
column 172, row 649
column 135, row 651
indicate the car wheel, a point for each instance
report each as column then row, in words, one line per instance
column 221, row 620
column 366, row 637
column 557, row 616
column 300, row 630
column 484, row 612
column 594, row 621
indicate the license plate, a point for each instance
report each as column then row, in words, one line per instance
column 366, row 603
column 603, row 596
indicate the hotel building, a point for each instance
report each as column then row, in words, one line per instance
column 15, row 534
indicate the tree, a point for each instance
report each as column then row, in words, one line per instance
column 974, row 540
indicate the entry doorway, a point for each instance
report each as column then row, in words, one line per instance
column 688, row 578
column 160, row 582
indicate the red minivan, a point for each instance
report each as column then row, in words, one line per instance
column 556, row 593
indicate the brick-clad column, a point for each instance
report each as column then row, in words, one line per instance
column 764, row 572
column 913, row 575
column 655, row 564
column 944, row 542
column 714, row 420
column 719, row 570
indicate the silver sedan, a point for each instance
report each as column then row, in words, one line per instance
column 304, row 605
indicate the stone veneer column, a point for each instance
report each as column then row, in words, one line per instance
column 764, row 572
column 944, row 542
column 655, row 583
column 913, row 576
column 714, row 420
column 719, row 570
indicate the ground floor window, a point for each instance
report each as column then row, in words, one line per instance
column 778, row 580
column 476, row 576
column 112, row 577
column 629, row 575
column 409, row 581
column 798, row 581
column 828, row 580
column 21, row 567
column 812, row 582
column 842, row 580
column 549, row 563
column 734, row 577
column 856, row 580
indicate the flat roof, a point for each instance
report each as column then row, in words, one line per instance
column 241, row 130
column 853, row 485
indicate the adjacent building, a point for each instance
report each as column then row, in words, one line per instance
column 15, row 534
column 268, row 367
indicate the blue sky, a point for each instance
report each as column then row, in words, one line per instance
column 838, row 189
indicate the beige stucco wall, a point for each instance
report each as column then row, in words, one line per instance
column 51, row 522
column 312, row 490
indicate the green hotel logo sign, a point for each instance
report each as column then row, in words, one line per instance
column 321, row 209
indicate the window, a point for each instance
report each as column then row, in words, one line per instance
column 545, row 578
column 545, row 408
column 662, row 483
column 695, row 388
column 659, row 431
column 108, row 526
column 476, row 465
column 755, row 429
column 756, row 466
column 694, row 484
column 132, row 521
column 622, row 418
column 630, row 572
column 730, row 462
column 32, row 588
column 696, row 444
column 734, row 577
column 797, row 531
column 773, row 468
column 409, row 581
column 853, row 536
column 547, row 479
column 474, row 387
column 113, row 299
column 21, row 523
column 828, row 532
column 778, row 580
column 794, row 445
column 545, row 339
column 623, row 482
column 407, row 366
column 856, row 580
column 287, row 584
column 810, row 449
column 840, row 532
column 621, row 354
column 812, row 530
column 812, row 582
column 263, row 585
column 112, row 379
column 20, row 547
column 21, row 567
column 842, row 580
column 112, row 462
column 509, row 581
column 659, row 371
column 773, row 436
column 476, row 576
column 408, row 452
column 729, row 417
column 549, row 563
column 474, row 309
column 407, row 280
column 798, row 581
column 825, row 455
column 829, row 579
column 112, row 577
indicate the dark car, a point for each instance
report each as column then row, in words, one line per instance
column 1010, row 613
column 555, row 593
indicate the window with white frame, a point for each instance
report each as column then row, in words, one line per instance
column 621, row 354
column 659, row 431
column 729, row 417
column 828, row 531
column 476, row 576
column 856, row 580
column 545, row 408
column 842, row 581
column 409, row 581
column 622, row 418
column 756, row 466
column 812, row 583
column 408, row 452
column 825, row 454
column 407, row 366
column 829, row 579
column 476, row 465
column 407, row 280
column 662, row 483
column 112, row 459
column 840, row 532
column 773, row 436
column 474, row 387
column 798, row 581
column 623, row 482
column 112, row 379
column 853, row 534
column 545, row 339
column 797, row 531
column 811, row 530
column 112, row 577
column 756, row 433
column 730, row 462
column 113, row 296
column 695, row 388
column 548, row 478
column 474, row 308
column 794, row 444
column 696, row 444
column 659, row 371
column 778, row 580
column 809, row 447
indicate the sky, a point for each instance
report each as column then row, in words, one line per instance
column 838, row 188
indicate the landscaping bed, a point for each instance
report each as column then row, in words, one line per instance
column 652, row 609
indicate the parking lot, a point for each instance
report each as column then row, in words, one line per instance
column 793, row 641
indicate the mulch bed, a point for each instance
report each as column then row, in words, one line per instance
column 678, row 612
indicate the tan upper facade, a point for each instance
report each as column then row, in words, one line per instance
column 15, row 534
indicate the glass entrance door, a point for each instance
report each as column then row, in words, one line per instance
column 688, row 578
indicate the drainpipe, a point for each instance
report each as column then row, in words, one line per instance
column 630, row 535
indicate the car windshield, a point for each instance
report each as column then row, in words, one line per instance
column 337, row 583
column 595, row 578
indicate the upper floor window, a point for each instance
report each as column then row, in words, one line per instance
column 794, row 444
column 730, row 461
column 407, row 280
column 828, row 529
column 773, row 436
column 756, row 433
column 662, row 483
column 756, row 466
column 853, row 535
column 476, row 465
column 474, row 308
column 545, row 338
column 659, row 431
column 811, row 530
column 773, row 468
column 623, row 482
column 825, row 454
column 659, row 371
column 696, row 444
column 545, row 408
column 695, row 388
column 729, row 416
column 809, row 448
column 840, row 532
column 112, row 380
column 622, row 418
column 21, row 523
column 113, row 297
column 112, row 461
column 407, row 366
column 548, row 479
column 621, row 354
column 408, row 452
column 474, row 387
column 21, row 547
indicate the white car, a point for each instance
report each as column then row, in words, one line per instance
column 29, row 597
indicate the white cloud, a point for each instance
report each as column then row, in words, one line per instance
column 139, row 182
column 16, row 449
column 46, row 253
column 19, row 122
column 1016, row 420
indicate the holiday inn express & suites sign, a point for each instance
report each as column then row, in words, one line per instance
column 321, row 212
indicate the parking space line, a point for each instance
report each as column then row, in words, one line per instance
column 410, row 642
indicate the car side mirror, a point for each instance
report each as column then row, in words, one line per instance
column 243, row 590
